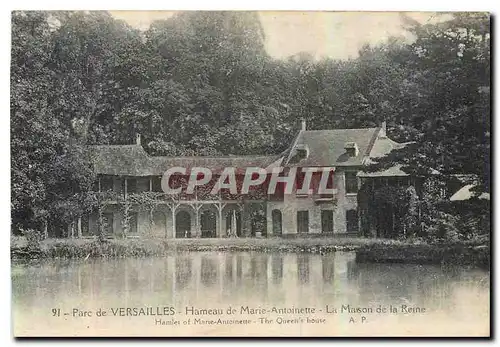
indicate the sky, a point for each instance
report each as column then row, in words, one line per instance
column 337, row 35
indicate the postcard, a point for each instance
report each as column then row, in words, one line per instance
column 246, row 173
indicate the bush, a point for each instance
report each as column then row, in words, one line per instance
column 33, row 238
column 443, row 228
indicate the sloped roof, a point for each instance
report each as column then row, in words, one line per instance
column 466, row 193
column 390, row 172
column 381, row 147
column 326, row 147
column 124, row 160
column 132, row 160
column 215, row 164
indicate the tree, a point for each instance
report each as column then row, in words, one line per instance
column 47, row 170
column 97, row 72
column 450, row 112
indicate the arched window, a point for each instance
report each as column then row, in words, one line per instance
column 208, row 223
column 182, row 225
column 277, row 223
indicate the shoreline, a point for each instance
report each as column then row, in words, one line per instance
column 367, row 249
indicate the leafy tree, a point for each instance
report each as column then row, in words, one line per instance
column 97, row 71
column 451, row 112
column 201, row 83
column 47, row 170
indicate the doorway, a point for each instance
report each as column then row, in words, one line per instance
column 183, row 225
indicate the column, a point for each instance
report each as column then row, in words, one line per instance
column 166, row 223
column 46, row 230
column 79, row 227
column 245, row 221
column 219, row 222
column 172, row 209
column 197, row 229
column 125, row 188
column 221, row 271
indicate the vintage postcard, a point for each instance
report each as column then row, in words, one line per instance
column 246, row 173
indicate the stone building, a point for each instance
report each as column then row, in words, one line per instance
column 133, row 203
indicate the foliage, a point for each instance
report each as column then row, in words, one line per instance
column 126, row 206
column 50, row 174
column 101, row 224
column 201, row 83
column 33, row 238
column 441, row 227
column 389, row 211
column 448, row 95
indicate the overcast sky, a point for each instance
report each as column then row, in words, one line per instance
column 335, row 34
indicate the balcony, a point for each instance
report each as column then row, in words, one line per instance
column 325, row 198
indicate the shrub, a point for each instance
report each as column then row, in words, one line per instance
column 443, row 228
column 33, row 238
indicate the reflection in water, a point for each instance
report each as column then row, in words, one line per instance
column 328, row 268
column 208, row 271
column 236, row 278
column 229, row 268
column 258, row 268
column 239, row 266
column 277, row 268
column 183, row 272
column 303, row 267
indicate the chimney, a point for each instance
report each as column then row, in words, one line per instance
column 351, row 149
column 138, row 139
column 383, row 130
column 303, row 124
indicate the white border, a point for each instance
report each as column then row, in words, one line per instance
column 310, row 5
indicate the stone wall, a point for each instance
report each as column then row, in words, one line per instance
column 163, row 226
column 292, row 204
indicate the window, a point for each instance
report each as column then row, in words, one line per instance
column 351, row 149
column 156, row 184
column 300, row 152
column 352, row 221
column 106, row 183
column 131, row 185
column 351, row 182
column 302, row 222
column 299, row 181
column 277, row 223
column 327, row 221
column 142, row 184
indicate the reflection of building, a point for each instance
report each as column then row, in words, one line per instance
column 133, row 203
column 193, row 277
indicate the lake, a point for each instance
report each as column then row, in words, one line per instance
column 247, row 294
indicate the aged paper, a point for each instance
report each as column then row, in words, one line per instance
column 250, row 173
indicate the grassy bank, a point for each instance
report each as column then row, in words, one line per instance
column 368, row 250
column 454, row 254
column 78, row 248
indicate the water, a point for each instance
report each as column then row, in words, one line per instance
column 451, row 301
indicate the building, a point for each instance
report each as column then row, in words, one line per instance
column 132, row 202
